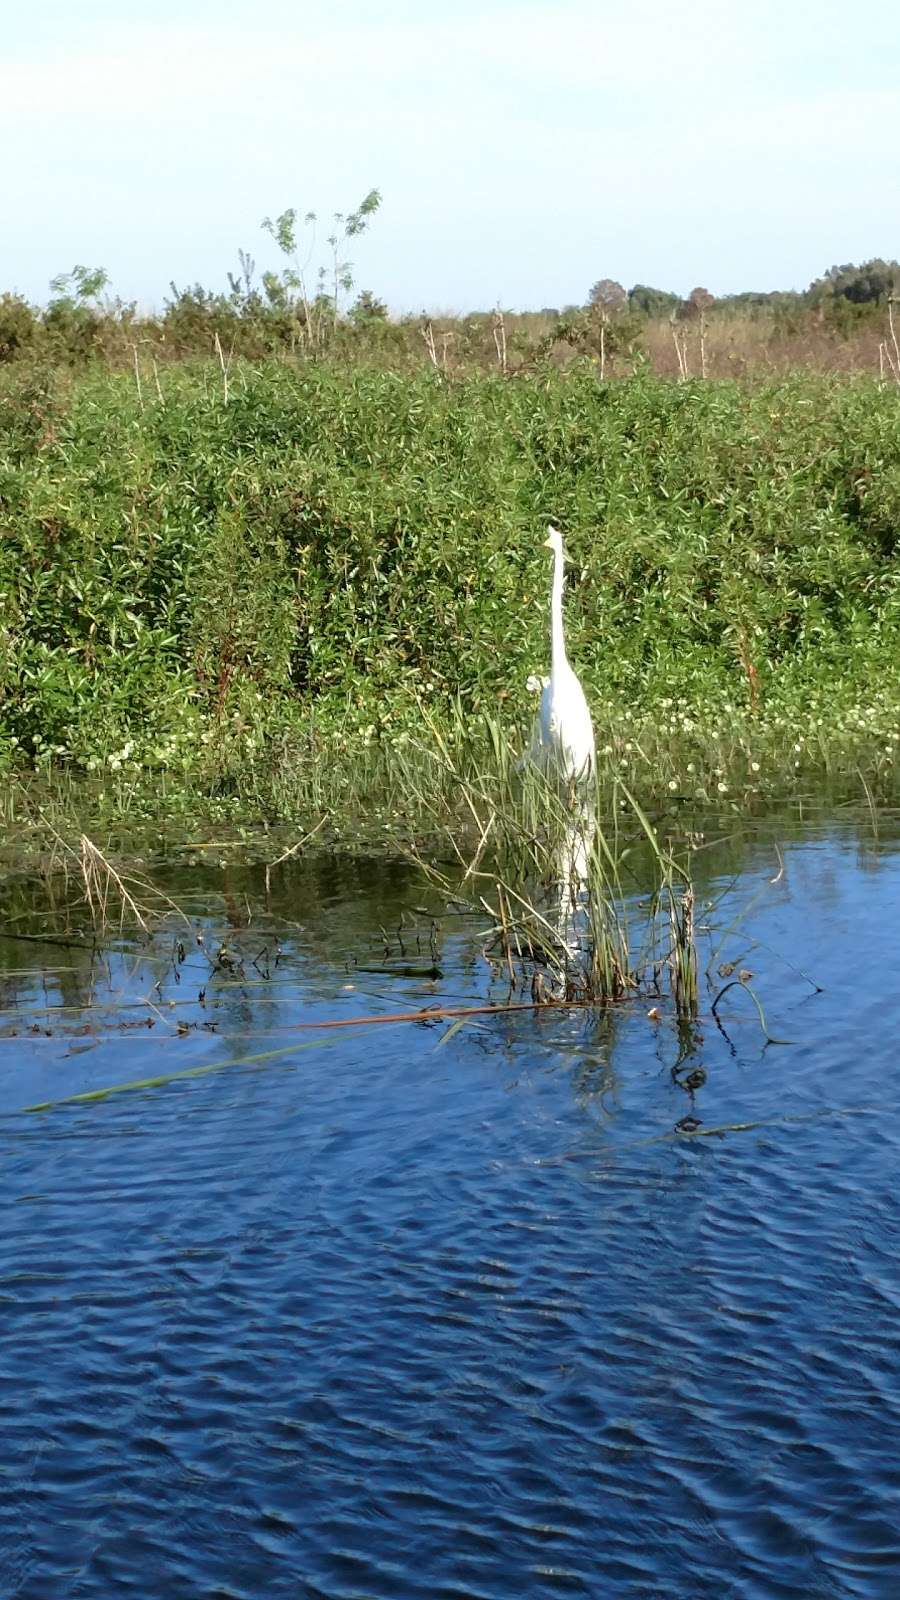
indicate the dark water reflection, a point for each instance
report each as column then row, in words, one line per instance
column 374, row 1317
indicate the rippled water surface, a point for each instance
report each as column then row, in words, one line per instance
column 368, row 1314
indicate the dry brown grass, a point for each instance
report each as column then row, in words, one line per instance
column 725, row 345
column 740, row 346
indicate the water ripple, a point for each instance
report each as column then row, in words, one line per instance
column 382, row 1321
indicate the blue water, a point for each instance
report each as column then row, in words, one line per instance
column 380, row 1316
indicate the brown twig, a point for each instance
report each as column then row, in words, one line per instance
column 750, row 669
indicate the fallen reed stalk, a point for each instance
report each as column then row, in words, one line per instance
column 441, row 1013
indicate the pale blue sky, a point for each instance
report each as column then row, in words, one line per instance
column 522, row 150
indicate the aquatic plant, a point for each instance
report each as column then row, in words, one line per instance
column 558, row 871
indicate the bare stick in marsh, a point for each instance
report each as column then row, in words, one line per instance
column 223, row 363
column 428, row 336
column 500, row 340
column 895, row 358
column 137, row 376
column 679, row 339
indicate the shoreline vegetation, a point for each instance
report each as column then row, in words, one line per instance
column 272, row 567
column 308, row 306
column 283, row 589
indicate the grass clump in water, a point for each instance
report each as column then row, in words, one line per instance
column 558, row 870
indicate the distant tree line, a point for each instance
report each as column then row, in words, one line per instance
column 871, row 284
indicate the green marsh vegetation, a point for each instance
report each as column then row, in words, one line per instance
column 313, row 593
column 267, row 600
column 275, row 558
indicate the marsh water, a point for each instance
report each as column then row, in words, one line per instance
column 555, row 1303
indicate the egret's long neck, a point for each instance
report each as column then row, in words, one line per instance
column 557, row 641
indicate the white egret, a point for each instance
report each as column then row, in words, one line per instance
column 562, row 742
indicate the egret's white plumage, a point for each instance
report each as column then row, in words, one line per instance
column 562, row 742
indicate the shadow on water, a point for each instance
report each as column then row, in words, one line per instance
column 589, row 1301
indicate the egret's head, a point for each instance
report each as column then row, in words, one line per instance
column 553, row 540
column 535, row 684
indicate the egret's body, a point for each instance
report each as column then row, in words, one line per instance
column 562, row 743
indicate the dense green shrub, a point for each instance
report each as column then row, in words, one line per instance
column 19, row 327
column 352, row 540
